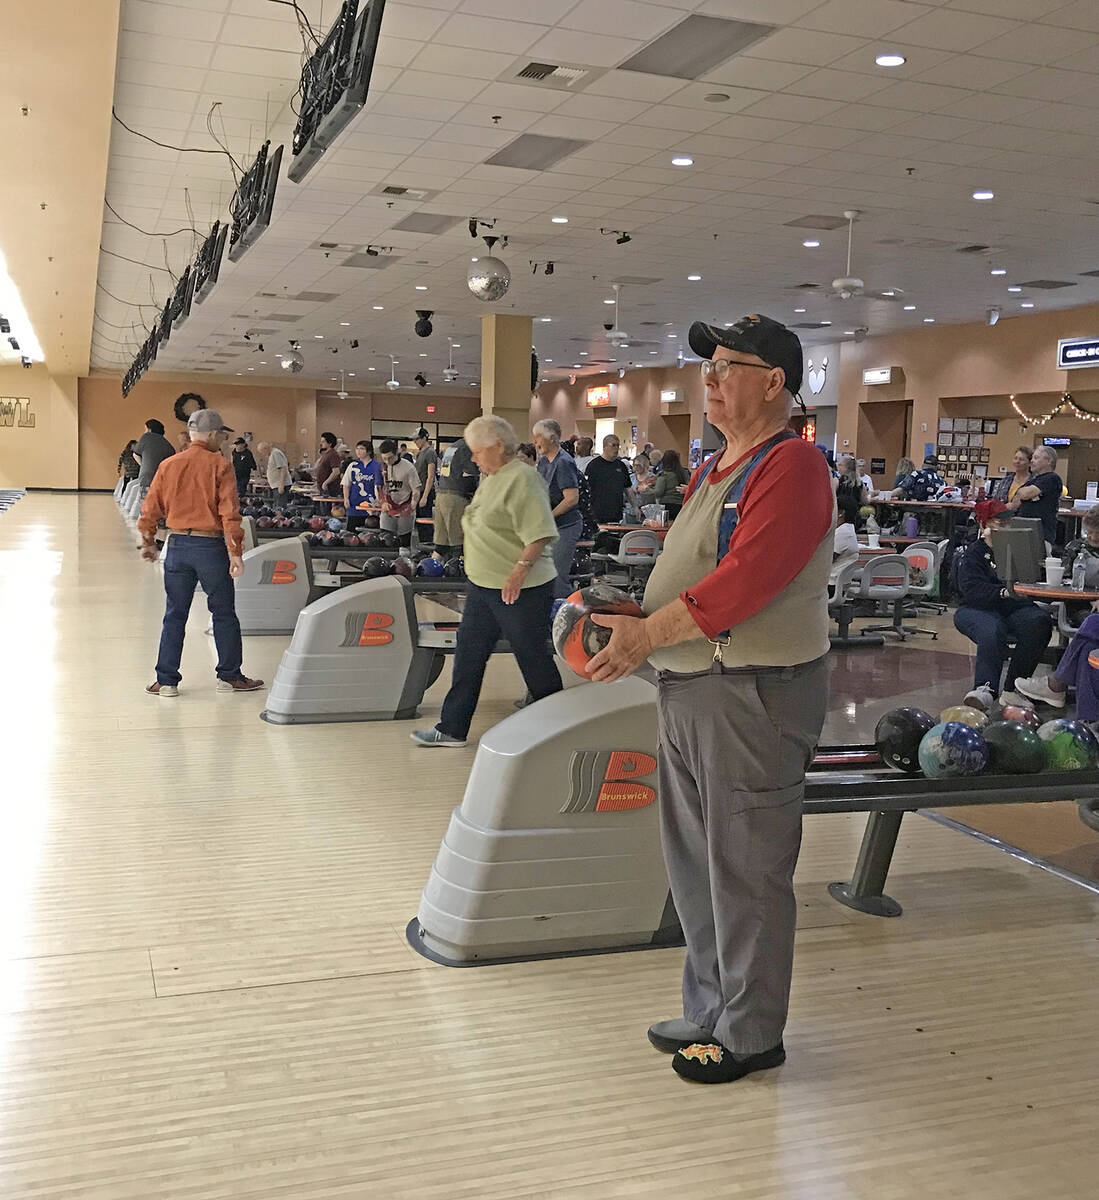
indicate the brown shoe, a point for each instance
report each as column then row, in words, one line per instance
column 239, row 685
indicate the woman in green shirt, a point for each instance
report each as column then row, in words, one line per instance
column 665, row 489
column 508, row 528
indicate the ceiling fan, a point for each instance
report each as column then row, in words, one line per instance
column 849, row 285
column 617, row 336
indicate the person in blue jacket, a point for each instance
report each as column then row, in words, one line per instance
column 990, row 613
column 361, row 482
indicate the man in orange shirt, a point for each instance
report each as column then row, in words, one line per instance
column 196, row 495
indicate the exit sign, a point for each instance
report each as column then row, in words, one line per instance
column 431, row 408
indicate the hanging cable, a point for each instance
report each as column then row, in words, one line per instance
column 222, row 142
column 103, row 250
column 128, row 303
column 146, row 232
column 166, row 145
column 303, row 20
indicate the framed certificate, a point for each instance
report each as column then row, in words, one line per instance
column 980, row 471
column 946, row 423
column 976, row 439
column 990, row 425
column 986, row 455
column 973, row 424
column 946, row 439
column 961, row 439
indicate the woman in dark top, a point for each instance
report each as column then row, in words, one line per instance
column 989, row 613
column 128, row 466
column 666, row 485
column 1041, row 494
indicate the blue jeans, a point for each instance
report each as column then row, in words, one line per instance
column 193, row 560
column 563, row 551
column 1029, row 625
column 1074, row 670
column 485, row 620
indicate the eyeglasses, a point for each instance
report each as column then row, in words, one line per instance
column 720, row 367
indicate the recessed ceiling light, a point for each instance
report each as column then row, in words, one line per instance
column 848, row 333
column 890, row 60
column 423, row 356
column 810, row 244
column 251, row 368
column 350, row 374
column 240, row 372
column 683, row 160
column 673, row 335
column 693, row 278
column 983, row 195
column 456, row 345
column 998, row 271
column 797, row 310
column 549, row 360
column 1026, row 304
column 1014, row 288
column 608, row 301
column 929, row 320
column 546, row 319
column 421, row 287
column 379, row 308
column 345, row 322
column 890, row 292
column 263, row 362
column 575, row 365
column 583, row 354
column 371, row 368
column 474, row 259
column 826, row 322
column 319, row 337
column 909, row 308
column 559, row 220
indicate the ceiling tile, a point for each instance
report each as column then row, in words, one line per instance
column 785, row 107
column 510, row 37
column 828, row 84
column 946, row 29
column 989, row 107
column 1083, row 14
column 1041, row 44
column 612, row 17
column 805, row 46
column 871, row 20
column 432, row 84
column 970, row 71
column 246, row 61
column 634, row 85
column 762, row 73
column 1023, row 10
column 593, row 50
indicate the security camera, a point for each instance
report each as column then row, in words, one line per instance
column 392, row 384
column 420, row 379
column 26, row 364
column 13, row 343
column 423, row 326
column 5, row 325
column 354, row 343
column 608, row 325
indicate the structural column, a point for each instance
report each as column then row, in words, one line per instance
column 505, row 370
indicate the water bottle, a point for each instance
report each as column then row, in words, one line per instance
column 873, row 529
column 1079, row 570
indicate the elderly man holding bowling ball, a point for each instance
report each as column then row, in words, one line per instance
column 508, row 530
column 737, row 630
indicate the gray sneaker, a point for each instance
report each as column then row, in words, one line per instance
column 162, row 689
column 436, row 737
column 677, row 1034
column 980, row 697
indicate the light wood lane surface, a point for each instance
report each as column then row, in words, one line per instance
column 206, row 993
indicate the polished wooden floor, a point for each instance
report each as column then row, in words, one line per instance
column 205, row 992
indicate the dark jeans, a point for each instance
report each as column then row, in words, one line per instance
column 1031, row 628
column 485, row 620
column 563, row 551
column 192, row 560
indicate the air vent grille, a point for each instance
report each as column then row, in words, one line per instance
column 561, row 77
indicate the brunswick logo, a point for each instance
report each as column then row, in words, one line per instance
column 281, row 571
column 16, row 410
column 368, row 629
column 609, row 781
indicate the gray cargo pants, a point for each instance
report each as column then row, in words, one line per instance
column 734, row 747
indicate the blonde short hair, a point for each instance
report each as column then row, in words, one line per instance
column 486, row 431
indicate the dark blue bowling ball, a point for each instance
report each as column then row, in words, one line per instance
column 430, row 568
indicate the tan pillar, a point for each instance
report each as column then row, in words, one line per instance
column 505, row 370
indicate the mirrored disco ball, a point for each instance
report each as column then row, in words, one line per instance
column 293, row 362
column 488, row 279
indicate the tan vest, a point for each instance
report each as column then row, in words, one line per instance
column 792, row 629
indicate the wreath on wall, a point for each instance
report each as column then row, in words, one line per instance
column 181, row 410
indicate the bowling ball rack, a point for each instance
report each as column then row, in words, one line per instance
column 854, row 779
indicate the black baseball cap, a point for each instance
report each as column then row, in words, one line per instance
column 420, row 433
column 929, row 460
column 765, row 338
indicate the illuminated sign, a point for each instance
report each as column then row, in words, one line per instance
column 669, row 396
column 809, row 431
column 1077, row 352
column 601, row 397
column 875, row 375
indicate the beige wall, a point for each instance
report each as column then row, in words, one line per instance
column 286, row 416
column 638, row 404
column 44, row 456
column 964, row 362
column 351, row 418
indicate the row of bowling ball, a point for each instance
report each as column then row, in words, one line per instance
column 426, row 568
column 966, row 741
column 381, row 539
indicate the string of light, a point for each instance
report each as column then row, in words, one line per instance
column 1066, row 402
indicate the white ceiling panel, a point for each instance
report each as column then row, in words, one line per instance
column 511, row 37
column 612, row 17
column 1040, row 44
column 872, row 20
column 807, row 46
column 590, row 49
column 948, row 29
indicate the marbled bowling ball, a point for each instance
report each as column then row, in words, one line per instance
column 1070, row 745
column 952, row 749
column 1014, row 748
column 576, row 637
column 1024, row 716
column 403, row 566
column 966, row 713
column 375, row 568
column 898, row 736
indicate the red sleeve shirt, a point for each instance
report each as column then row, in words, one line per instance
column 785, row 510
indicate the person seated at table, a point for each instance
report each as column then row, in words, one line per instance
column 905, row 467
column 923, row 484
column 845, row 545
column 989, row 614
column 864, row 476
column 1073, row 671
column 666, row 488
column 1040, row 496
